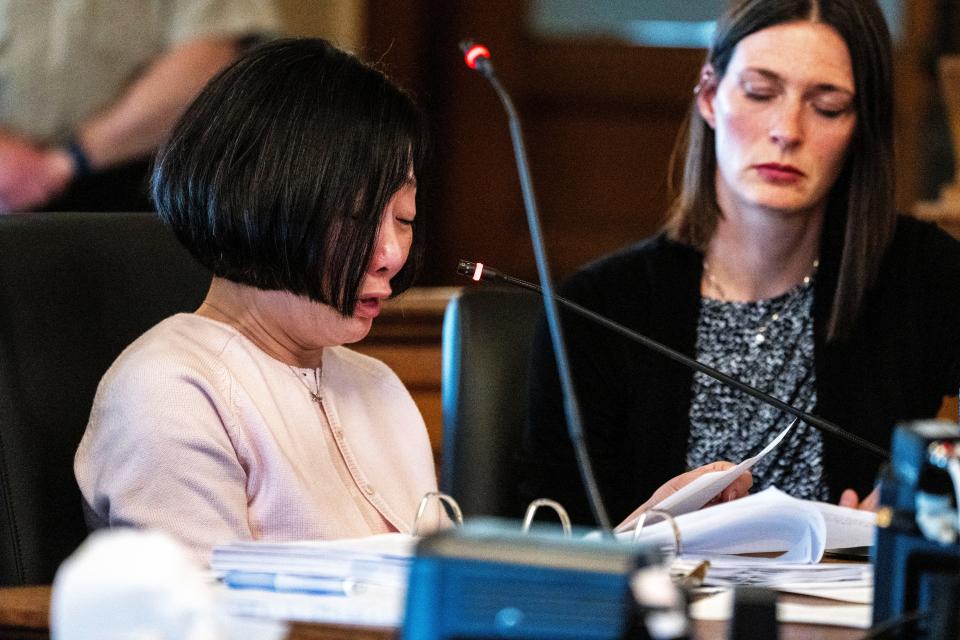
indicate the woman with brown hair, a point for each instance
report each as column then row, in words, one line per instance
column 783, row 263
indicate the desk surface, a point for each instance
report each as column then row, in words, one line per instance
column 25, row 610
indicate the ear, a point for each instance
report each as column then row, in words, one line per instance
column 706, row 92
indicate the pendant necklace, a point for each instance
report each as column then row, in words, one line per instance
column 760, row 332
column 317, row 376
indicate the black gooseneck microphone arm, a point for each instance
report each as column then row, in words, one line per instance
column 478, row 57
column 480, row 272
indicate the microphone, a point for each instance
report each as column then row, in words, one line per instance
column 477, row 57
column 479, row 272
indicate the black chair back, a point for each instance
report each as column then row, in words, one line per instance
column 75, row 290
column 487, row 336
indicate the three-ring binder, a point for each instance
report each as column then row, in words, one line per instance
column 565, row 523
column 553, row 504
column 677, row 540
column 445, row 499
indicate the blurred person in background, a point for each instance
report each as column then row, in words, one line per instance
column 90, row 88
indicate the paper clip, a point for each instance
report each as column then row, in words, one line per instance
column 553, row 504
column 445, row 499
column 677, row 541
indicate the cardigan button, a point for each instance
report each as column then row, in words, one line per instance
column 369, row 489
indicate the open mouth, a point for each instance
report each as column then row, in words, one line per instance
column 369, row 307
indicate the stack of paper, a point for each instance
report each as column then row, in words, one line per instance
column 358, row 581
column 769, row 521
column 771, row 572
column 848, row 585
column 766, row 522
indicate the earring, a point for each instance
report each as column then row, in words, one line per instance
column 706, row 78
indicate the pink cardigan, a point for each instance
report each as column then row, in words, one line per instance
column 196, row 431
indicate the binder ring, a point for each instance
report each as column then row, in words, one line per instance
column 553, row 504
column 677, row 541
column 442, row 497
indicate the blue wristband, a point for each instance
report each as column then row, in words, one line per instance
column 81, row 163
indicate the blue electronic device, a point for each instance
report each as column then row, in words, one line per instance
column 917, row 553
column 488, row 581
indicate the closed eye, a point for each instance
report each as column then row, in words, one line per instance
column 832, row 107
column 760, row 88
column 759, row 96
column 830, row 113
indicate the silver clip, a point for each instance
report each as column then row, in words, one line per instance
column 442, row 497
column 553, row 504
column 678, row 543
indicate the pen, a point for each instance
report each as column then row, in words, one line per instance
column 288, row 583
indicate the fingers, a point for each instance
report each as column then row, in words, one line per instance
column 744, row 482
column 872, row 501
column 738, row 488
column 721, row 465
column 849, row 498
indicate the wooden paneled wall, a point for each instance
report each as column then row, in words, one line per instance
column 343, row 22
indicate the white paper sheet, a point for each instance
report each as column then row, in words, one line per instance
column 369, row 609
column 376, row 568
column 820, row 579
column 703, row 489
column 847, row 527
column 852, row 592
column 857, row 616
column 769, row 521
column 382, row 559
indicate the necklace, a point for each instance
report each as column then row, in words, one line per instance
column 317, row 376
column 795, row 295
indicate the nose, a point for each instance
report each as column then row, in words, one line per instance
column 390, row 252
column 786, row 130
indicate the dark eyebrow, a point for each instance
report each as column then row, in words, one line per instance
column 832, row 88
column 766, row 73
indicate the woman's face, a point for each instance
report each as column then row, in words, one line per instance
column 311, row 324
column 783, row 116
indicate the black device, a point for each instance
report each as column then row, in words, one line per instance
column 917, row 552
column 488, row 580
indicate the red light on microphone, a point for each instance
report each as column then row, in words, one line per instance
column 475, row 52
column 478, row 272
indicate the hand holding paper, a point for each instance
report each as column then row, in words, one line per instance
column 700, row 491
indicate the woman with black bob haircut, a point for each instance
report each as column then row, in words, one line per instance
column 783, row 263
column 292, row 177
column 279, row 179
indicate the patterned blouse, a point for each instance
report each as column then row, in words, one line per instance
column 767, row 344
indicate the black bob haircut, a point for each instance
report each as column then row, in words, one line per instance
column 277, row 174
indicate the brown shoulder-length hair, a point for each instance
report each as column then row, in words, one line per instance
column 864, row 190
